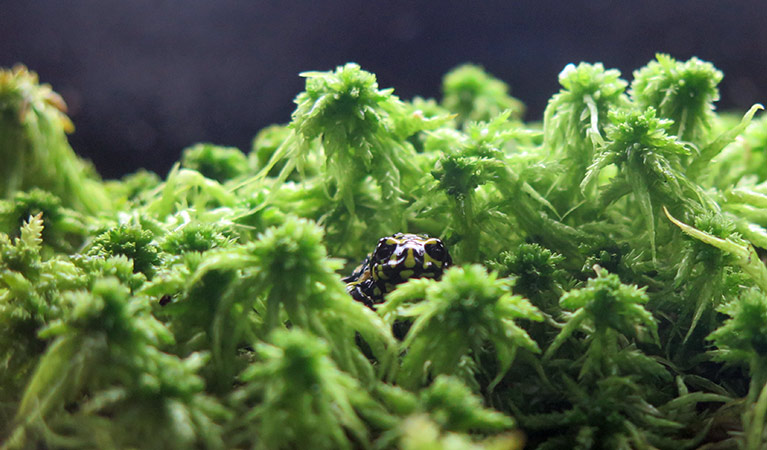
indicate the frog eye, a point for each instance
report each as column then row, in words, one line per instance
column 436, row 250
column 384, row 250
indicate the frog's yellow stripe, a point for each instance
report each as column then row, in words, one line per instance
column 405, row 274
column 428, row 259
column 410, row 259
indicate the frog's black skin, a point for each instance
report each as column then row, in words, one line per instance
column 396, row 259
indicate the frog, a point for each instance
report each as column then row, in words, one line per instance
column 396, row 259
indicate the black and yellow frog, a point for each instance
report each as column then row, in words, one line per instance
column 396, row 259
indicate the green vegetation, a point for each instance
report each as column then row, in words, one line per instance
column 607, row 289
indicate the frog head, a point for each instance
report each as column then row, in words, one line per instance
column 403, row 256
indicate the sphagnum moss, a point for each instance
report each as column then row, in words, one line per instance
column 606, row 291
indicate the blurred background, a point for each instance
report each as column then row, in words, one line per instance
column 146, row 78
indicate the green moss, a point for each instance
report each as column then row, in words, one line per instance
column 607, row 288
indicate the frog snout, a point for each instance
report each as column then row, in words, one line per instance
column 407, row 256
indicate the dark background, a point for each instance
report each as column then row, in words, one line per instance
column 145, row 78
